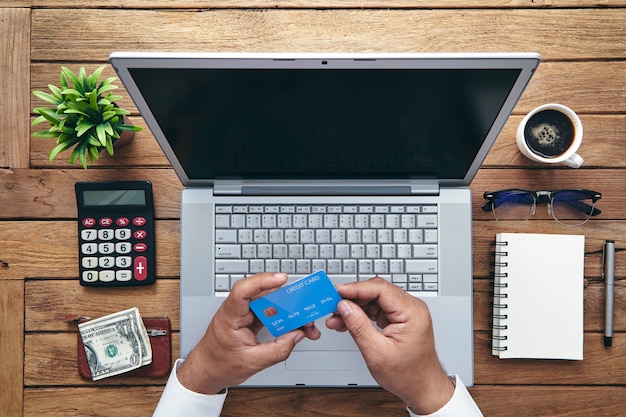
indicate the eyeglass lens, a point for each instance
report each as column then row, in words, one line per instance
column 569, row 207
column 572, row 207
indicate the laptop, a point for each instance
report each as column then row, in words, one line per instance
column 358, row 164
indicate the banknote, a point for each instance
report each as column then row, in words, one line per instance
column 115, row 344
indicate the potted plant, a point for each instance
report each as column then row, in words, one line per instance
column 85, row 115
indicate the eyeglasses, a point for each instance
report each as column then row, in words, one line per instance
column 568, row 207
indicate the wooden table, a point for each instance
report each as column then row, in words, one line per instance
column 583, row 47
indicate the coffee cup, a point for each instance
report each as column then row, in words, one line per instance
column 551, row 133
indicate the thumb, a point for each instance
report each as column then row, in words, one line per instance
column 357, row 322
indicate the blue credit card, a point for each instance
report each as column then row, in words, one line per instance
column 297, row 304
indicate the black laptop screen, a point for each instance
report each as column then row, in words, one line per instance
column 325, row 124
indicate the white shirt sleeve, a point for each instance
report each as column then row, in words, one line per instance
column 461, row 404
column 177, row 400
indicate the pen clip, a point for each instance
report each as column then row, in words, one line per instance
column 603, row 258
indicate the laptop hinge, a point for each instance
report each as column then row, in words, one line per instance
column 327, row 188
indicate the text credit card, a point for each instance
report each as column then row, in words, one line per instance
column 297, row 304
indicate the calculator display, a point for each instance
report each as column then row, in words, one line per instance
column 115, row 233
column 114, row 197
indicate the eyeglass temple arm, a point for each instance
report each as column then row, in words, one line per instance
column 584, row 207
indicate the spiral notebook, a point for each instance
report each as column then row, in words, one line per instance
column 538, row 296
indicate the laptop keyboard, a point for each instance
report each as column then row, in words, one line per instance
column 349, row 242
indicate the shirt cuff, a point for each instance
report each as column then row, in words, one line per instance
column 177, row 400
column 461, row 404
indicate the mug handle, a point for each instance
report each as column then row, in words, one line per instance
column 574, row 161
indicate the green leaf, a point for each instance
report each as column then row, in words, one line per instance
column 130, row 128
column 106, row 88
column 93, row 154
column 70, row 75
column 107, row 115
column 48, row 114
column 93, row 78
column 46, row 97
column 82, row 127
column 109, row 146
column 102, row 137
column 45, row 134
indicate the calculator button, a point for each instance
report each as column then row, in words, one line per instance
column 122, row 234
column 90, row 276
column 140, row 234
column 122, row 221
column 105, row 234
column 106, row 262
column 107, row 276
column 139, row 221
column 90, row 262
column 106, row 248
column 141, row 268
column 123, row 262
column 106, row 221
column 89, row 248
column 123, row 247
column 140, row 247
column 89, row 222
column 88, row 234
column 123, row 275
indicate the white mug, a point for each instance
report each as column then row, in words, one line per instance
column 551, row 133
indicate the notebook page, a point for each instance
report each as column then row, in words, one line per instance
column 544, row 296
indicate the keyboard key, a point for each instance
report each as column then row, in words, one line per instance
column 227, row 266
column 420, row 266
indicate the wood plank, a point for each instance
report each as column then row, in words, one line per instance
column 313, row 402
column 315, row 4
column 38, row 194
column 50, row 250
column 594, row 307
column 550, row 401
column 602, row 146
column 14, row 84
column 585, row 86
column 91, row 402
column 600, row 365
column 47, row 302
column 12, row 346
column 50, row 194
column 50, row 360
column 47, row 249
column 582, row 33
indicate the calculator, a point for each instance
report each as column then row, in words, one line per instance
column 115, row 233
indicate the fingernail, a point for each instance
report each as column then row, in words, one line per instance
column 344, row 308
column 280, row 275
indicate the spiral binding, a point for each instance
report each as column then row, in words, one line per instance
column 499, row 317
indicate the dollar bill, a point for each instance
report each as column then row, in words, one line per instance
column 116, row 343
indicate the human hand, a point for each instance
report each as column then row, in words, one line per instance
column 229, row 352
column 401, row 357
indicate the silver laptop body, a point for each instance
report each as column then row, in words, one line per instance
column 328, row 137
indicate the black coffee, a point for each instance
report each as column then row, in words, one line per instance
column 549, row 133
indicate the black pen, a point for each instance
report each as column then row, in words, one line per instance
column 608, row 271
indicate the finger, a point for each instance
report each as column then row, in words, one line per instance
column 358, row 324
column 375, row 294
column 245, row 290
column 278, row 350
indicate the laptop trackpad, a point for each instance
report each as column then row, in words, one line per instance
column 325, row 361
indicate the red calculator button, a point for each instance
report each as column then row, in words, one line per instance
column 140, row 247
column 140, row 268
column 139, row 221
column 89, row 222
column 139, row 234
column 122, row 221
column 106, row 221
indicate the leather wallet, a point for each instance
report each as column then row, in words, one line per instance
column 160, row 335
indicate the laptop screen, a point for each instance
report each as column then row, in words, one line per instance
column 362, row 121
